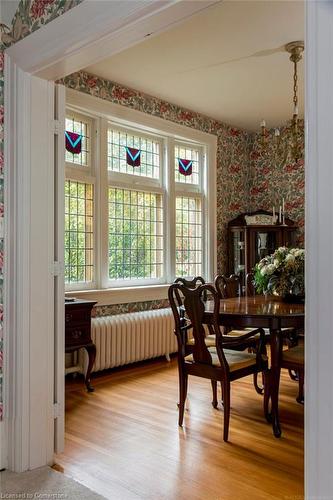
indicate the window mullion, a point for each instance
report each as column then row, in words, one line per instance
column 170, row 214
column 103, row 207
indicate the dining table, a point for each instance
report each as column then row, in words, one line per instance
column 260, row 311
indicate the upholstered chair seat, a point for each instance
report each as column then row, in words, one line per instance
column 210, row 341
column 294, row 356
column 236, row 360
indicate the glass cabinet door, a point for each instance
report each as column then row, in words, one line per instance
column 265, row 243
column 238, row 254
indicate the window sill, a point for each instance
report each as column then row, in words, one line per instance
column 126, row 295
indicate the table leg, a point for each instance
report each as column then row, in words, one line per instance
column 274, row 378
column 91, row 350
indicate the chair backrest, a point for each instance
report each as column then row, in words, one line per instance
column 191, row 284
column 194, row 304
column 197, row 280
column 228, row 287
column 249, row 282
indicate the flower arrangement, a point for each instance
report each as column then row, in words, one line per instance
column 281, row 273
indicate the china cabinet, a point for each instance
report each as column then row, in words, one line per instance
column 252, row 236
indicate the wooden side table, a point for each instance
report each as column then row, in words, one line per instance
column 78, row 332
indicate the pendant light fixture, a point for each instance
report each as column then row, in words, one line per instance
column 294, row 128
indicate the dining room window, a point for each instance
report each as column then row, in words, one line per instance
column 80, row 256
column 122, row 141
column 188, row 236
column 79, row 232
column 81, row 125
column 191, row 155
column 135, row 235
column 137, row 210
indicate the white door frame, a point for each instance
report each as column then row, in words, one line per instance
column 319, row 248
column 29, row 298
column 45, row 53
column 31, row 346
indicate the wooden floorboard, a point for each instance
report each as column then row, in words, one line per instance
column 123, row 440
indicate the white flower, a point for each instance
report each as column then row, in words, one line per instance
column 290, row 259
column 270, row 269
column 263, row 270
column 299, row 252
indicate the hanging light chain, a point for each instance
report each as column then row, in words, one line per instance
column 295, row 99
column 295, row 127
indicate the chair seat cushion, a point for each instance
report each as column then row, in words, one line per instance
column 294, row 355
column 209, row 341
column 236, row 359
column 236, row 333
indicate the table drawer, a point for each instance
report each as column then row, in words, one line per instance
column 77, row 335
column 74, row 316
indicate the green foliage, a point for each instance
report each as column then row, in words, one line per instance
column 281, row 273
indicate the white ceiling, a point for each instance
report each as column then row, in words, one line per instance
column 220, row 62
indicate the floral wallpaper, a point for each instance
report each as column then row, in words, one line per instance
column 113, row 309
column 233, row 145
column 30, row 16
column 274, row 175
column 33, row 14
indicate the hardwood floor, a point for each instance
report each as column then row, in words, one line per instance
column 123, row 440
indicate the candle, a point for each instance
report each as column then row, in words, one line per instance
column 295, row 110
column 277, row 132
column 263, row 123
column 280, row 215
column 273, row 215
column 283, row 205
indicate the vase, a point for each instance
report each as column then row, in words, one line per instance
column 291, row 298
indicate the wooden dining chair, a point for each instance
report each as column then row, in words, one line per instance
column 188, row 340
column 221, row 363
column 192, row 284
column 227, row 288
column 291, row 337
column 291, row 359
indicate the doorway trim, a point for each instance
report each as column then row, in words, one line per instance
column 29, row 337
column 28, row 274
column 44, row 61
column 319, row 245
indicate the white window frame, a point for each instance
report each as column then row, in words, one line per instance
column 105, row 114
column 87, row 175
column 198, row 191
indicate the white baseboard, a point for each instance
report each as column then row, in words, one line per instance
column 3, row 445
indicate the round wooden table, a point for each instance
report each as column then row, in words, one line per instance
column 265, row 312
